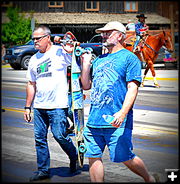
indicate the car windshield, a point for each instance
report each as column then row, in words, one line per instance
column 30, row 42
column 96, row 39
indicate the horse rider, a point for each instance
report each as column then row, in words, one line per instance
column 141, row 29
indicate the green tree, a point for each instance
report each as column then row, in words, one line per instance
column 18, row 30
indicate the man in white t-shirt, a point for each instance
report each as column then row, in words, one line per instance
column 47, row 90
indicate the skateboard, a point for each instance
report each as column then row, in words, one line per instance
column 78, row 103
column 77, row 95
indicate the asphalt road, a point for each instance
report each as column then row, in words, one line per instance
column 155, row 134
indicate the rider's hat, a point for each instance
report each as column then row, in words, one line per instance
column 114, row 25
column 141, row 16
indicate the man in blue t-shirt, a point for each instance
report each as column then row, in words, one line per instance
column 114, row 84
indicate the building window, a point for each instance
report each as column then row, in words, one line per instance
column 92, row 5
column 6, row 4
column 58, row 4
column 130, row 6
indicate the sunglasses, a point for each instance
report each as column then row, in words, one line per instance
column 39, row 38
column 109, row 33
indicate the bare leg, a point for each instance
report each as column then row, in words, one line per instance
column 145, row 72
column 96, row 170
column 138, row 167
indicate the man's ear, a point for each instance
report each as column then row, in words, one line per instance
column 120, row 37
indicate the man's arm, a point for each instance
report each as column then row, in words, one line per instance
column 85, row 73
column 128, row 103
column 30, row 93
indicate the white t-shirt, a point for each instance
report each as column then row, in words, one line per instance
column 130, row 27
column 49, row 71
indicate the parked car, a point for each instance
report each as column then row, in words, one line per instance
column 18, row 56
column 96, row 44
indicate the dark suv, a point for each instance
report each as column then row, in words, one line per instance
column 18, row 57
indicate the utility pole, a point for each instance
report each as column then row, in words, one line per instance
column 32, row 24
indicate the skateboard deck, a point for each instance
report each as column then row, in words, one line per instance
column 77, row 98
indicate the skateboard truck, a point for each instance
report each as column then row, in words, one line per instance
column 79, row 50
column 64, row 41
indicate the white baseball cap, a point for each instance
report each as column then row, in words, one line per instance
column 114, row 25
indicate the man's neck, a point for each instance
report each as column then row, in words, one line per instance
column 47, row 48
column 115, row 48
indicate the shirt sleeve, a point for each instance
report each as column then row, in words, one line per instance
column 67, row 57
column 30, row 76
column 133, row 69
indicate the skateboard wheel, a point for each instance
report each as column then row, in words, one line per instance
column 82, row 148
column 78, row 51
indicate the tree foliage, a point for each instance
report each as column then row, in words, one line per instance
column 18, row 30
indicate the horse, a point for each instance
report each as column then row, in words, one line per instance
column 150, row 45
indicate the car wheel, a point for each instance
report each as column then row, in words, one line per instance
column 15, row 66
column 25, row 62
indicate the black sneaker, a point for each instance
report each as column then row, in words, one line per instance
column 73, row 166
column 40, row 175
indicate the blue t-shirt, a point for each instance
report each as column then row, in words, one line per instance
column 110, row 75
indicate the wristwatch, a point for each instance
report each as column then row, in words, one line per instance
column 27, row 108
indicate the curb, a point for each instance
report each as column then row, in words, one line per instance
column 6, row 66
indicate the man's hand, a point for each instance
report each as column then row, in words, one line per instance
column 27, row 115
column 86, row 59
column 119, row 117
column 57, row 39
column 68, row 47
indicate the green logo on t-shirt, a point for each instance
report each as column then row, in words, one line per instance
column 43, row 68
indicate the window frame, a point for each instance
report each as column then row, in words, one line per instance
column 7, row 4
column 55, row 4
column 131, row 10
column 92, row 9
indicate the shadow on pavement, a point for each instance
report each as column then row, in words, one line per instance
column 65, row 172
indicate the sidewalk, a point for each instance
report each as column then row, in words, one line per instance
column 5, row 66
